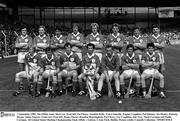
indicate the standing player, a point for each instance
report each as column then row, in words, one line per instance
column 93, row 59
column 130, row 65
column 96, row 39
column 23, row 42
column 139, row 42
column 50, row 69
column 41, row 42
column 116, row 39
column 57, row 42
column 150, row 63
column 76, row 39
column 32, row 68
column 159, row 42
column 70, row 65
column 110, row 65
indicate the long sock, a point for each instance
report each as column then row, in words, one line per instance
column 74, row 86
column 59, row 86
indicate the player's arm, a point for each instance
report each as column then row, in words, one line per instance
column 53, row 43
column 124, row 64
column 161, row 44
column 77, row 61
column 156, row 63
column 135, row 65
column 100, row 45
column 61, row 45
column 18, row 44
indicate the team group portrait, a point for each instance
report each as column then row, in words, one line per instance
column 104, row 64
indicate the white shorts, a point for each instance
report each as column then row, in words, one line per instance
column 46, row 73
column 130, row 72
column 21, row 57
column 99, row 55
column 150, row 71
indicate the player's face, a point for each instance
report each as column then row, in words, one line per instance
column 31, row 51
column 75, row 29
column 156, row 30
column 24, row 32
column 136, row 32
column 41, row 31
column 94, row 29
column 58, row 32
column 49, row 54
column 115, row 29
column 130, row 50
column 68, row 49
column 109, row 51
column 150, row 50
column 90, row 49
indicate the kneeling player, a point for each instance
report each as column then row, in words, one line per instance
column 130, row 65
column 70, row 65
column 32, row 68
column 93, row 59
column 110, row 65
column 50, row 69
column 150, row 64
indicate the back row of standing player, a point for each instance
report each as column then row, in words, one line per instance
column 77, row 41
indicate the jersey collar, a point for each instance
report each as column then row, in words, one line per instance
column 136, row 37
column 42, row 36
column 116, row 35
column 69, row 54
column 75, row 35
column 110, row 58
column 90, row 56
column 58, row 38
column 95, row 34
column 156, row 36
column 52, row 57
column 129, row 56
column 23, row 37
column 150, row 55
column 34, row 54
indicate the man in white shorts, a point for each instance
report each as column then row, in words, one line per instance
column 150, row 63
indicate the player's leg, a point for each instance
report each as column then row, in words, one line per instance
column 100, row 85
column 123, row 76
column 159, row 76
column 41, row 78
column 81, row 77
column 61, row 74
column 18, row 78
column 33, row 83
column 74, row 76
column 138, row 82
column 117, row 84
column 145, row 75
column 54, row 82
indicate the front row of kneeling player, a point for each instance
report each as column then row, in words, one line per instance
column 66, row 67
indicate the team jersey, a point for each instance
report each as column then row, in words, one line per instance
column 50, row 63
column 160, row 39
column 117, row 41
column 138, row 42
column 126, row 59
column 93, row 59
column 71, row 59
column 150, row 58
column 74, row 39
column 33, row 61
column 41, row 41
column 24, row 40
column 112, row 63
column 96, row 40
column 61, row 40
